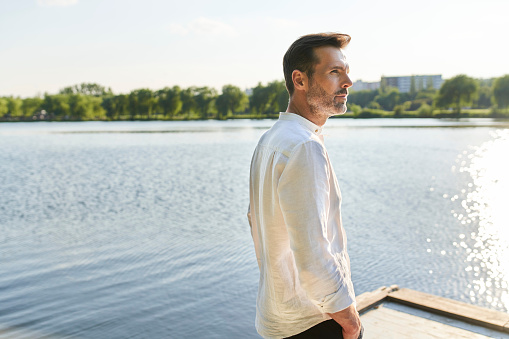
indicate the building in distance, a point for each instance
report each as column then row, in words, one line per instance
column 360, row 85
column 413, row 83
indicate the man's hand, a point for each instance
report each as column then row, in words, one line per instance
column 349, row 321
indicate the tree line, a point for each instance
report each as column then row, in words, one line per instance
column 457, row 97
column 89, row 101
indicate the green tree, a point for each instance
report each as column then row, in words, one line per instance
column 79, row 106
column 260, row 99
column 484, row 97
column 501, row 92
column 388, row 98
column 3, row 107
column 362, row 98
column 121, row 103
column 97, row 111
column 57, row 105
column 355, row 109
column 188, row 100
column 86, row 107
column 278, row 96
column 109, row 106
column 86, row 89
column 204, row 96
column 374, row 105
column 146, row 101
column 458, row 91
column 429, row 94
column 231, row 100
column 133, row 104
column 401, row 108
column 31, row 105
column 169, row 101
column 14, row 107
column 398, row 111
column 283, row 99
column 425, row 111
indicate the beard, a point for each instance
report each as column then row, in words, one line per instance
column 322, row 103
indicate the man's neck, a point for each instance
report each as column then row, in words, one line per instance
column 304, row 111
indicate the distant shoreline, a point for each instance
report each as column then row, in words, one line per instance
column 365, row 114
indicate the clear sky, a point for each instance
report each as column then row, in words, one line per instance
column 46, row 45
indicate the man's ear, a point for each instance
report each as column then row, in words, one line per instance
column 300, row 80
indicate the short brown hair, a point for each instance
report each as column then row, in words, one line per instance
column 301, row 55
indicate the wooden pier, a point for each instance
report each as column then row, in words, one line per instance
column 393, row 313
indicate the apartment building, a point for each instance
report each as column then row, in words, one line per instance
column 360, row 85
column 410, row 83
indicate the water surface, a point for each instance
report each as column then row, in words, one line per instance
column 138, row 229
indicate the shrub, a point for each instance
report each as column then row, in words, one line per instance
column 425, row 111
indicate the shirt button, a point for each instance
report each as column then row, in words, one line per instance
column 316, row 130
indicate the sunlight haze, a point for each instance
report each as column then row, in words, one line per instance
column 46, row 45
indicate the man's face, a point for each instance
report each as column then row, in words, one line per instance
column 328, row 86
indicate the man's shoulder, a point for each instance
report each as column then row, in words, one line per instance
column 285, row 136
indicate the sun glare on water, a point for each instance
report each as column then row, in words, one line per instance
column 487, row 205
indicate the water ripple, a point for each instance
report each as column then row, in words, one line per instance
column 123, row 235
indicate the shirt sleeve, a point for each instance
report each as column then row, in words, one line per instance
column 304, row 197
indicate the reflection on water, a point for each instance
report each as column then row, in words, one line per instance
column 119, row 235
column 485, row 204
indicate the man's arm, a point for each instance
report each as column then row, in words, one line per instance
column 304, row 196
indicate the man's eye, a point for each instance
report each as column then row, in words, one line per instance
column 335, row 71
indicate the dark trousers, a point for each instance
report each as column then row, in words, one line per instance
column 328, row 329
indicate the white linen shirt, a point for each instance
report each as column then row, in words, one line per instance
column 295, row 220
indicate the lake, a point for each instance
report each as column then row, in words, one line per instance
column 139, row 229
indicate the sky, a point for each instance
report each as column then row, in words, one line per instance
column 46, row 45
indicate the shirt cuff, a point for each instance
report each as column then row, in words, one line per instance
column 338, row 300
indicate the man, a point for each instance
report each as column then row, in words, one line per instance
column 305, row 288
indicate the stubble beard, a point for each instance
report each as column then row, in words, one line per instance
column 322, row 103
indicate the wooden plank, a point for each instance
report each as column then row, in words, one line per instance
column 385, row 323
column 367, row 300
column 451, row 308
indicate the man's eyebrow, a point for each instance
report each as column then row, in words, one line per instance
column 345, row 68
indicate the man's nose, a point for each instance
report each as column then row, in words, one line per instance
column 347, row 82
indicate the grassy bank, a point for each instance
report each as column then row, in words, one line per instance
column 363, row 114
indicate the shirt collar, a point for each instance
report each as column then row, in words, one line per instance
column 301, row 120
